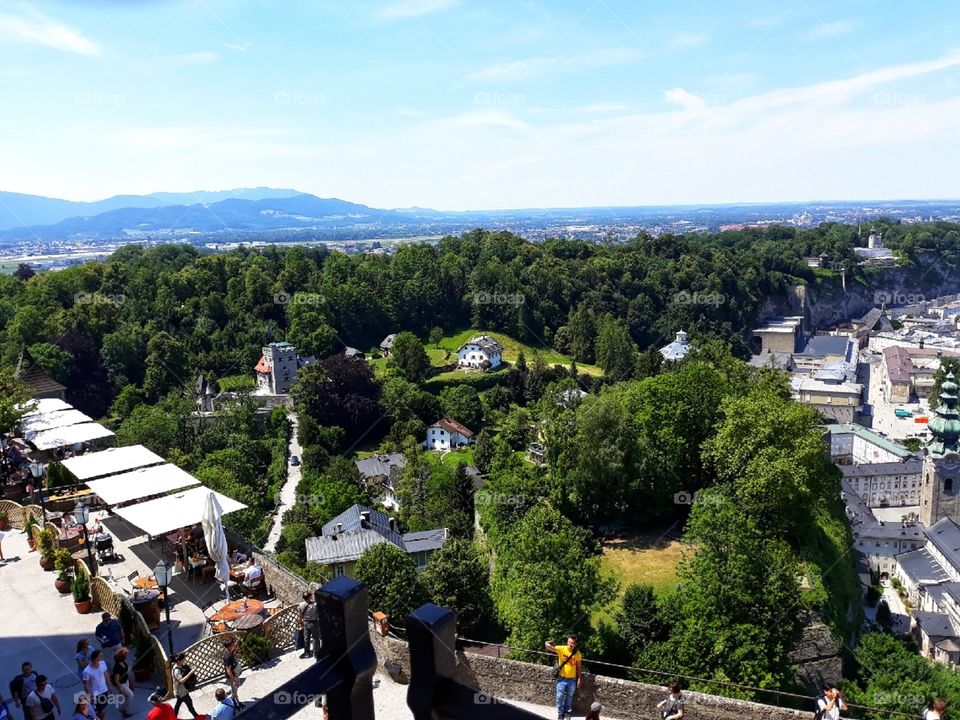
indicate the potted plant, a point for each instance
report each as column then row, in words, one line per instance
column 254, row 649
column 4, row 519
column 143, row 667
column 80, row 587
column 28, row 529
column 46, row 548
column 63, row 562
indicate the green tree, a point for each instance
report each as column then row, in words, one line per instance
column 463, row 502
column 166, row 366
column 462, row 403
column 15, row 401
column 483, row 451
column 392, row 581
column 55, row 361
column 457, row 577
column 615, row 351
column 638, row 620
column 409, row 357
column 581, row 334
column 436, row 335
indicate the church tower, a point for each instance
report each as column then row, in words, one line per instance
column 940, row 495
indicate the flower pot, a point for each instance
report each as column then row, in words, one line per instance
column 32, row 544
column 46, row 563
column 62, row 586
column 83, row 607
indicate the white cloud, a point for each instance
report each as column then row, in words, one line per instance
column 31, row 26
column 689, row 40
column 831, row 29
column 414, row 8
column 685, row 99
column 536, row 66
column 238, row 47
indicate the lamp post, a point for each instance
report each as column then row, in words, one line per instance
column 162, row 573
column 82, row 515
column 37, row 470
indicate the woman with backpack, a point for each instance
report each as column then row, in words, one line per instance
column 672, row 707
column 184, row 680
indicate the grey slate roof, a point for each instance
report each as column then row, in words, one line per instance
column 380, row 465
column 387, row 343
column 945, row 535
column 920, row 566
column 823, row 345
column 911, row 466
column 936, row 625
column 357, row 536
column 485, row 343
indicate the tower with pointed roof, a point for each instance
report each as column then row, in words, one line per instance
column 940, row 495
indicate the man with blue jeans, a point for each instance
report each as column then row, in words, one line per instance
column 570, row 678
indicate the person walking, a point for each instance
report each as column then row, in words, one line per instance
column 671, row 707
column 935, row 711
column 569, row 674
column 184, row 680
column 231, row 667
column 96, row 682
column 43, row 701
column 830, row 704
column 595, row 711
column 22, row 685
column 226, row 708
column 310, row 622
column 110, row 633
column 82, row 656
column 121, row 680
column 83, row 709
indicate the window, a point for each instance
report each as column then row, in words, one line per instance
column 339, row 571
column 948, row 485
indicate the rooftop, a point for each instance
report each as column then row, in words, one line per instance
column 871, row 437
column 789, row 324
column 826, row 345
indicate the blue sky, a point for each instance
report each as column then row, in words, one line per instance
column 457, row 104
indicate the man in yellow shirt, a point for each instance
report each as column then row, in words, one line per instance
column 570, row 678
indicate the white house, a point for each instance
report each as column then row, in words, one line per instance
column 446, row 434
column 481, row 352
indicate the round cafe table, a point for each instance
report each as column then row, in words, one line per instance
column 248, row 622
column 236, row 610
column 147, row 582
column 145, row 603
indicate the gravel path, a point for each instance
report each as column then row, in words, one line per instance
column 288, row 494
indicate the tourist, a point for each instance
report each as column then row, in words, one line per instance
column 226, row 706
column 110, row 633
column 121, row 680
column 935, row 711
column 310, row 622
column 230, row 666
column 568, row 674
column 184, row 680
column 82, row 656
column 595, row 711
column 22, row 685
column 671, row 708
column 43, row 700
column 160, row 711
column 83, row 710
column 830, row 704
column 237, row 557
column 5, row 712
column 96, row 682
column 252, row 575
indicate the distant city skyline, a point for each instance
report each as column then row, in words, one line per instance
column 462, row 105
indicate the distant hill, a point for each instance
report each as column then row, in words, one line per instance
column 299, row 211
column 19, row 210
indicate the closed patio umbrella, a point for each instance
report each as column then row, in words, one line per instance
column 212, row 523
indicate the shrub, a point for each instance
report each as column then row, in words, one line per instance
column 63, row 563
column 80, row 587
column 45, row 544
column 254, row 649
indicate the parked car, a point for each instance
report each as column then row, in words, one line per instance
column 294, row 460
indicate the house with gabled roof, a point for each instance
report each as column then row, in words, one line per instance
column 447, row 434
column 40, row 384
column 481, row 352
column 357, row 529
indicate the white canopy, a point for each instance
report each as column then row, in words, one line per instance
column 160, row 516
column 108, row 462
column 141, row 483
column 60, row 437
column 45, row 405
column 33, row 424
column 216, row 540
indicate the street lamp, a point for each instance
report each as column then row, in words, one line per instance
column 162, row 573
column 37, row 470
column 82, row 515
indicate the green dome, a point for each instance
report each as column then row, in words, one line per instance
column 945, row 425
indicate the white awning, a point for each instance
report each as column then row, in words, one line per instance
column 60, row 437
column 109, row 462
column 165, row 514
column 33, row 424
column 141, row 483
column 45, row 405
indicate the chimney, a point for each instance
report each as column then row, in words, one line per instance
column 365, row 517
column 339, row 527
column 393, row 524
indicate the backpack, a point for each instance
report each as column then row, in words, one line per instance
column 310, row 613
column 191, row 683
column 820, row 711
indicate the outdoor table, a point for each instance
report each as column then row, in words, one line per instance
column 145, row 603
column 248, row 622
column 147, row 582
column 236, row 574
column 234, row 610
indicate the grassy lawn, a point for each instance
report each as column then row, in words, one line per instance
column 512, row 348
column 643, row 558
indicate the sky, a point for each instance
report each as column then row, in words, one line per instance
column 483, row 104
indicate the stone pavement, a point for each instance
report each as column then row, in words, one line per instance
column 42, row 626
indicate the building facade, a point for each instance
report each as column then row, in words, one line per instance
column 940, row 495
column 277, row 370
column 481, row 353
column 447, row 434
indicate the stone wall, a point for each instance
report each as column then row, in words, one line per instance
column 527, row 682
column 281, row 583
